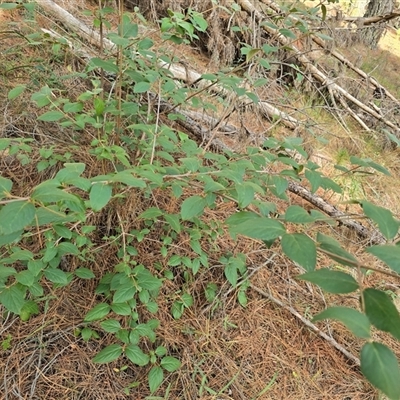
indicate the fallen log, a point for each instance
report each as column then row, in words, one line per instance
column 321, row 43
column 309, row 64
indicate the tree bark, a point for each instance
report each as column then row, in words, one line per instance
column 370, row 35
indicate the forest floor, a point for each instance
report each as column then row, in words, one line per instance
column 228, row 352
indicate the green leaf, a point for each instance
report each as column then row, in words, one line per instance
column 100, row 195
column 5, row 187
column 70, row 172
column 381, row 311
column 49, row 192
column 12, row 298
column 16, row 216
column 8, row 6
column 287, row 33
column 110, row 325
column 355, row 321
column 281, row 184
column 367, row 162
column 298, row 215
column 108, row 354
column 187, row 300
column 193, row 207
column 51, row 116
column 55, row 275
column 323, row 9
column 177, row 309
column 62, row 231
column 108, row 66
column 245, row 193
column 231, row 272
column 84, row 273
column 145, row 279
column 174, row 221
column 128, row 28
column 128, row 179
column 389, row 254
column 142, row 87
column 124, row 293
column 301, row 249
column 136, row 355
column 256, row 227
column 7, row 239
column 25, row 277
column 86, row 333
column 67, row 248
column 331, row 281
column 192, row 164
column 73, row 107
column 156, row 376
column 383, row 218
column 336, row 252
column 171, row 364
column 327, row 184
column 392, row 137
column 5, row 272
column 99, row 311
column 15, row 92
column 50, row 214
column 29, row 308
column 150, row 213
column 380, row 367
column 161, row 351
column 121, row 308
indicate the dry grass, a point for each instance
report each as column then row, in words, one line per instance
column 227, row 352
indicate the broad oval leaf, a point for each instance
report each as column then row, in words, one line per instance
column 15, row 216
column 12, row 298
column 389, row 254
column 49, row 192
column 381, row 311
column 380, row 367
column 245, row 194
column 355, row 321
column 136, row 355
column 111, row 325
column 193, row 207
column 84, row 273
column 156, row 376
column 5, row 187
column 128, row 179
column 171, row 364
column 383, row 218
column 301, row 249
column 298, row 215
column 145, row 279
column 262, row 228
column 124, row 293
column 335, row 251
column 121, row 308
column 314, row 178
column 25, row 277
column 108, row 66
column 108, row 354
column 7, row 239
column 99, row 311
column 56, row 275
column 50, row 116
column 142, row 87
column 100, row 195
column 331, row 281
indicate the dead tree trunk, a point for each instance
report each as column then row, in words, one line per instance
column 371, row 34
